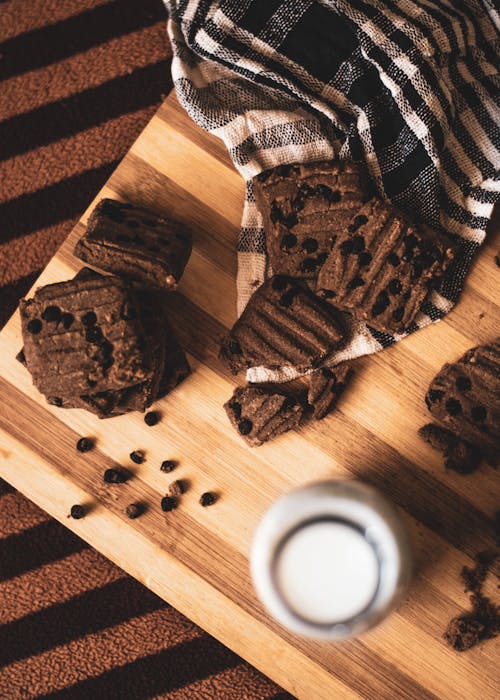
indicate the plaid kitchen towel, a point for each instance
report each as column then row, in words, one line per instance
column 408, row 87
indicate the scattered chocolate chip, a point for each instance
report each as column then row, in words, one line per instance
column 453, row 406
column 288, row 241
column 335, row 196
column 298, row 204
column 286, row 299
column 168, row 503
column 91, row 383
column 168, row 465
column 177, row 488
column 346, row 247
column 56, row 401
column 77, row 512
column 137, row 456
column 93, row 335
column 364, row 258
column 280, row 283
column 245, row 426
column 435, row 395
column 358, row 244
column 151, row 418
column 207, row 499
column 358, row 221
column 395, row 286
column 381, row 304
column 34, row 326
column 310, row 245
column 67, row 320
column 355, row 282
column 84, row 444
column 398, row 314
column 89, row 319
column 463, row 383
column 393, row 259
column 327, row 294
column 133, row 510
column 291, row 220
column 236, row 408
column 309, row 264
column 478, row 413
column 115, row 476
column 51, row 314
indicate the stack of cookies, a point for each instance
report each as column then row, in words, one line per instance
column 333, row 249
column 102, row 342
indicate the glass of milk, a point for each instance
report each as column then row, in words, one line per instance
column 331, row 559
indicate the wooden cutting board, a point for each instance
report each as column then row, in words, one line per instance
column 196, row 558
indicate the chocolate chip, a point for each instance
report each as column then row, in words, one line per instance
column 335, row 196
column 435, row 395
column 298, row 204
column 235, row 348
column 34, row 326
column 168, row 465
column 56, row 401
column 93, row 335
column 291, row 220
column 478, row 413
column 280, row 282
column 346, row 247
column 355, row 282
column 168, row 503
column 77, row 512
column 395, row 286
column 137, row 456
column 133, row 224
column 84, row 444
column 326, row 293
column 275, row 214
column 358, row 244
column 364, row 258
column 67, row 320
column 398, row 314
column 235, row 407
column 309, row 264
column 108, row 363
column 115, row 476
column 381, row 304
column 207, row 499
column 463, row 383
column 393, row 259
column 245, row 426
column 52, row 314
column 453, row 406
column 357, row 222
column 91, row 383
column 288, row 241
column 133, row 510
column 151, row 418
column 310, row 245
column 177, row 488
column 89, row 319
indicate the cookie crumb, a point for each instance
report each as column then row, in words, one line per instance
column 151, row 418
column 137, row 456
column 84, row 444
column 177, row 488
column 168, row 503
column 133, row 510
column 168, row 465
column 77, row 512
column 115, row 476
column 207, row 499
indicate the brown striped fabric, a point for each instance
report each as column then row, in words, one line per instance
column 79, row 80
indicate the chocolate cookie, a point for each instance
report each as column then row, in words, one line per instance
column 283, row 324
column 135, row 243
column 259, row 415
column 465, row 396
column 460, row 456
column 326, row 386
column 84, row 336
column 382, row 267
column 304, row 207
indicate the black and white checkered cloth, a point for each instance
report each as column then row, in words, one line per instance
column 409, row 87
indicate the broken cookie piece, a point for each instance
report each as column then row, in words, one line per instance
column 283, row 324
column 326, row 386
column 460, row 456
column 259, row 414
column 136, row 244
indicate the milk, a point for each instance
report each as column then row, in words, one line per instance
column 327, row 572
column 331, row 559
